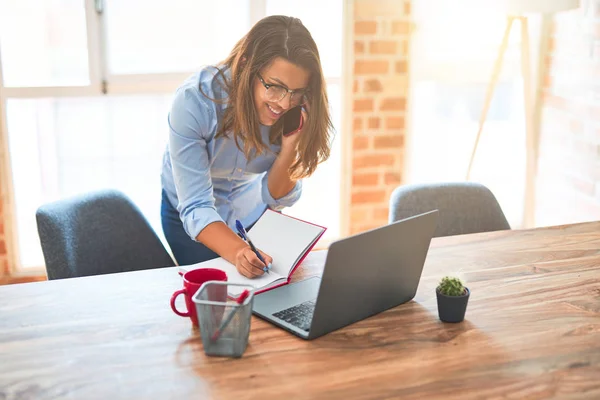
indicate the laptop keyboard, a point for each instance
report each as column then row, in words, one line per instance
column 299, row 316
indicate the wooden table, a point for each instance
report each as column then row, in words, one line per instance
column 532, row 330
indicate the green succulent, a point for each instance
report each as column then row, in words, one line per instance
column 451, row 286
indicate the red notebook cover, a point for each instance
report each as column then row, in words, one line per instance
column 301, row 258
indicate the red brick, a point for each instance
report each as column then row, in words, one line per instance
column 370, row 226
column 359, row 228
column 381, row 213
column 374, row 122
column 363, row 105
column 365, row 27
column 547, row 81
column 365, row 67
column 394, row 122
column 364, row 10
column 383, row 47
column 383, row 142
column 393, row 104
column 359, row 215
column 401, row 67
column 369, row 196
column 355, row 228
column 372, row 160
column 355, row 86
column 392, row 178
column 2, row 247
column 551, row 44
column 359, row 47
column 1, row 227
column 357, row 124
column 360, row 143
column 365, row 179
column 400, row 28
column 373, row 85
column 404, row 47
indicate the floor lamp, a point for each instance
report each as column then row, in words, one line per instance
column 517, row 10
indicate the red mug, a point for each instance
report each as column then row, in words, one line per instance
column 192, row 280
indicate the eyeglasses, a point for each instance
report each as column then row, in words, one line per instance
column 278, row 93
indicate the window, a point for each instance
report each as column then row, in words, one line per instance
column 65, row 136
column 171, row 36
column 452, row 55
column 43, row 43
column 68, row 145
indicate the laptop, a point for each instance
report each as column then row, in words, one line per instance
column 364, row 274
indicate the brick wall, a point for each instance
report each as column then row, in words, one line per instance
column 568, row 188
column 4, row 259
column 380, row 78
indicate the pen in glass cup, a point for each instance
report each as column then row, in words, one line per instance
column 244, row 235
column 227, row 320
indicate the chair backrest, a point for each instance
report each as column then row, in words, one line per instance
column 464, row 207
column 97, row 233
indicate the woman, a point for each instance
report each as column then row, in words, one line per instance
column 227, row 158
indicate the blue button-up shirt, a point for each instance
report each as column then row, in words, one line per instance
column 208, row 179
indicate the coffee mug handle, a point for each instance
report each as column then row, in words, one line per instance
column 175, row 310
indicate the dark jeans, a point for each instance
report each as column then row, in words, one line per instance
column 185, row 250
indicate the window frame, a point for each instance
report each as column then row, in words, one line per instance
column 102, row 83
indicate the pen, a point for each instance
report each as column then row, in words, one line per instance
column 239, row 300
column 245, row 236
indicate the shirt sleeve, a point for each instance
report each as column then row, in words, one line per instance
column 189, row 130
column 286, row 201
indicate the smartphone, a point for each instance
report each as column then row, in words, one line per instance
column 292, row 120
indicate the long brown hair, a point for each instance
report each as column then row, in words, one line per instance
column 272, row 37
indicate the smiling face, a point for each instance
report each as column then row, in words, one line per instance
column 278, row 50
column 280, row 73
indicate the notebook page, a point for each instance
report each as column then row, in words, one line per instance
column 284, row 238
column 234, row 276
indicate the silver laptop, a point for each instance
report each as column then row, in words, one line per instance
column 364, row 275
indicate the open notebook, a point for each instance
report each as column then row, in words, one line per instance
column 287, row 239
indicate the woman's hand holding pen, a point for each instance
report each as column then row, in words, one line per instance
column 248, row 264
column 250, row 261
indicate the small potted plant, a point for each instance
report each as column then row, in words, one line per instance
column 452, row 299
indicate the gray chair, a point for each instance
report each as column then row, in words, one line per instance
column 464, row 207
column 97, row 233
